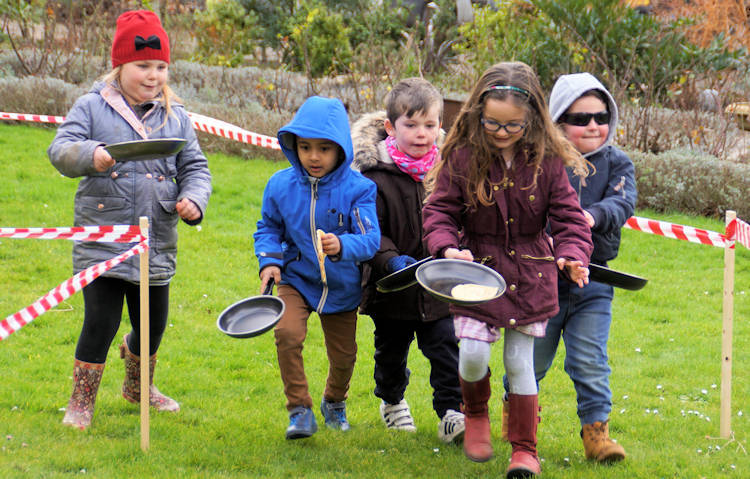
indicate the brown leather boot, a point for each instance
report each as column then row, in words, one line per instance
column 598, row 445
column 522, row 423
column 131, row 387
column 477, row 445
column 86, row 379
column 504, row 428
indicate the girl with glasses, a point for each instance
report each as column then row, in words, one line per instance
column 500, row 191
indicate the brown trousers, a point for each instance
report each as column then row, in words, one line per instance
column 339, row 331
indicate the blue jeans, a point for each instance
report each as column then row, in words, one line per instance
column 583, row 321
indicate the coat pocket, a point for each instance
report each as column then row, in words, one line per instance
column 102, row 210
column 164, row 227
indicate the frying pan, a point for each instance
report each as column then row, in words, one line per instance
column 440, row 276
column 251, row 316
column 618, row 279
column 151, row 149
column 400, row 279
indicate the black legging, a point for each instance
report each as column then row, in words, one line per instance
column 103, row 301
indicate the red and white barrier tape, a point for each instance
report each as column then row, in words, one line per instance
column 200, row 122
column 739, row 231
column 669, row 230
column 109, row 234
column 28, row 117
column 63, row 291
column 227, row 130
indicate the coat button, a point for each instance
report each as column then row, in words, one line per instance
column 114, row 175
column 511, row 220
column 100, row 205
column 512, row 322
column 532, row 197
column 495, row 187
column 540, row 274
column 512, row 252
column 149, row 175
column 512, row 287
column 510, row 183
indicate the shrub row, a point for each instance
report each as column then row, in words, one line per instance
column 691, row 182
column 686, row 180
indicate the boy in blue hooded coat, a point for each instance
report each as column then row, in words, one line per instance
column 318, row 223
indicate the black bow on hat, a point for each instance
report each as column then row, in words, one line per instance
column 151, row 42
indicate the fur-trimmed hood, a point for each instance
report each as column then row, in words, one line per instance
column 368, row 134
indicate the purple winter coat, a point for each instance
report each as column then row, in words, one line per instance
column 512, row 233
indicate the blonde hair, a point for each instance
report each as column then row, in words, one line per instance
column 167, row 97
column 542, row 140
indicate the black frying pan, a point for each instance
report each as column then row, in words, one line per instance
column 614, row 278
column 251, row 316
column 400, row 279
column 150, row 149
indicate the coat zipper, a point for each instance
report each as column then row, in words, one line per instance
column 541, row 258
column 359, row 220
column 314, row 235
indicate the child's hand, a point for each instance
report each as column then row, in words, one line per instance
column 455, row 253
column 578, row 273
column 268, row 273
column 330, row 243
column 102, row 159
column 188, row 210
column 589, row 218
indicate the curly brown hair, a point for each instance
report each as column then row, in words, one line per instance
column 542, row 140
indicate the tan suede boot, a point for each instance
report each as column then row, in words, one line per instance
column 86, row 380
column 131, row 387
column 477, row 444
column 598, row 445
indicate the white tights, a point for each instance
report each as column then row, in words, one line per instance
column 518, row 358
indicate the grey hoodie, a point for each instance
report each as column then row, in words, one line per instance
column 569, row 88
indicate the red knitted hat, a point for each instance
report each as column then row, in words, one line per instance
column 139, row 36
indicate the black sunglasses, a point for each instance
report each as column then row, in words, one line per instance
column 583, row 119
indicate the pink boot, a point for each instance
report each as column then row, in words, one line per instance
column 523, row 418
column 477, row 445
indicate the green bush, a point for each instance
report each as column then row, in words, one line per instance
column 318, row 42
column 228, row 33
column 690, row 182
column 630, row 51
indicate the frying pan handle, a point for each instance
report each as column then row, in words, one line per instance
column 269, row 287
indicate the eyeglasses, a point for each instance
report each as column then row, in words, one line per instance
column 583, row 119
column 494, row 127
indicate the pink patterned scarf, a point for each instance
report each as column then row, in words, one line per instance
column 414, row 167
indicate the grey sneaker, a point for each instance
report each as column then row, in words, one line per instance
column 451, row 427
column 397, row 416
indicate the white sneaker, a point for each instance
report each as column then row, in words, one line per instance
column 451, row 427
column 398, row 416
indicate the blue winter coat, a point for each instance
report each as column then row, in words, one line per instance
column 130, row 189
column 295, row 205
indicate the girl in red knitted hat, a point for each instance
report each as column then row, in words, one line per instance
column 132, row 102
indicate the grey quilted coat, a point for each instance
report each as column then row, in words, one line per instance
column 130, row 189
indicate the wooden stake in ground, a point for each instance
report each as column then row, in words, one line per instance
column 725, row 420
column 144, row 324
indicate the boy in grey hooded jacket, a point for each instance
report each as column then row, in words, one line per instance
column 587, row 113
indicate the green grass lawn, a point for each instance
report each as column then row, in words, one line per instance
column 665, row 351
